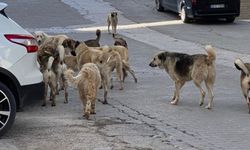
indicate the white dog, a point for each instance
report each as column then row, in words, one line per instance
column 43, row 37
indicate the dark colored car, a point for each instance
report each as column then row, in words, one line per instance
column 199, row 9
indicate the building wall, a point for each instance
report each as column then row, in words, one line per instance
column 245, row 9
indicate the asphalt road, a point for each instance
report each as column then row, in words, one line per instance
column 141, row 116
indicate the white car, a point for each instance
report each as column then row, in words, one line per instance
column 20, row 78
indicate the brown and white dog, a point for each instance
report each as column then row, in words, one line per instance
column 183, row 67
column 87, row 82
column 120, row 41
column 244, row 79
column 113, row 21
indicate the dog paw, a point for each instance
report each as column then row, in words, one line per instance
column 201, row 103
column 66, row 102
column 53, row 105
column 208, row 107
column 86, row 115
column 173, row 102
column 111, row 87
column 105, row 102
column 136, row 80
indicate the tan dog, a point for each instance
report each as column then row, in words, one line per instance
column 183, row 67
column 110, row 60
column 123, row 51
column 113, row 21
column 244, row 79
column 87, row 81
column 49, row 79
column 85, row 54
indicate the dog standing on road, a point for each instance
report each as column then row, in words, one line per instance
column 244, row 78
column 113, row 21
column 183, row 67
column 87, row 81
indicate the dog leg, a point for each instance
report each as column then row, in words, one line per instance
column 127, row 67
column 87, row 109
column 209, row 86
column 53, row 92
column 92, row 107
column 178, row 86
column 108, row 26
column 173, row 98
column 45, row 93
column 65, row 85
column 202, row 92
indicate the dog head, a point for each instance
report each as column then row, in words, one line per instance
column 158, row 60
column 40, row 37
column 113, row 14
column 71, row 45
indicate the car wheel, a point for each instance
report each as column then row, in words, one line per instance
column 184, row 17
column 7, row 109
column 230, row 19
column 159, row 6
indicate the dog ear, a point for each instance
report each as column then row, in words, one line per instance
column 162, row 56
column 76, row 44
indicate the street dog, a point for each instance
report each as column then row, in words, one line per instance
column 120, row 41
column 87, row 81
column 94, row 42
column 49, row 78
column 113, row 21
column 244, row 79
column 85, row 54
column 184, row 67
column 108, row 61
column 51, row 69
column 123, row 51
column 43, row 37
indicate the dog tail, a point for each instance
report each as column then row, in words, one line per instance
column 240, row 65
column 211, row 52
column 61, row 51
column 49, row 65
column 98, row 34
column 70, row 78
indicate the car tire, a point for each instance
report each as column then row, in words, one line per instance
column 230, row 19
column 159, row 6
column 7, row 109
column 184, row 17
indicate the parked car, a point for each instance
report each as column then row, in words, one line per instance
column 198, row 9
column 20, row 78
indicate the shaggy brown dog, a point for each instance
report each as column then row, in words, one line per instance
column 244, row 79
column 113, row 21
column 87, row 81
column 43, row 55
column 120, row 41
column 183, row 67
column 94, row 42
